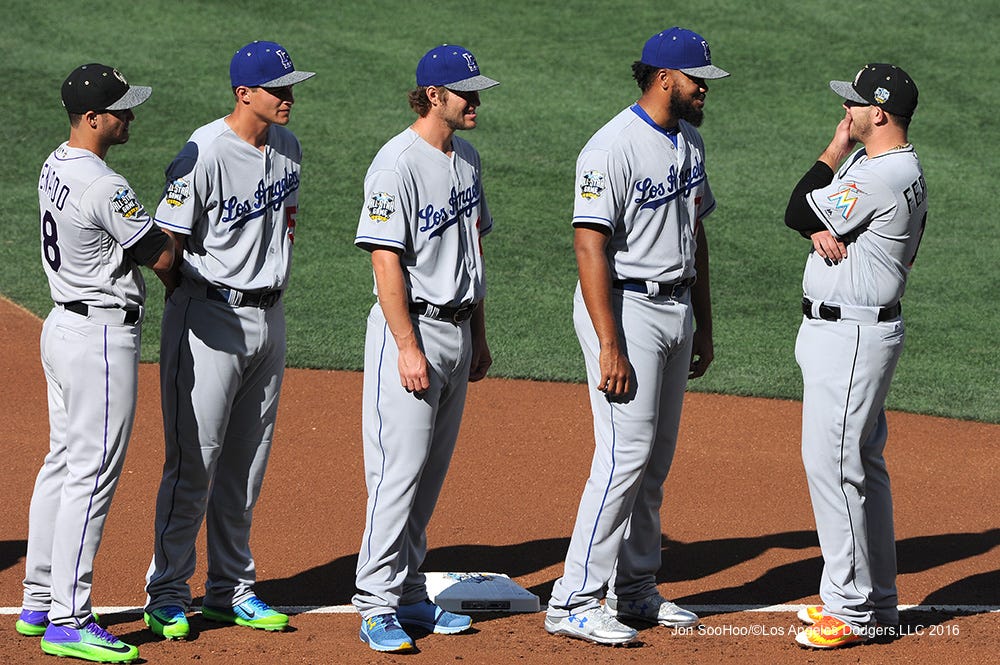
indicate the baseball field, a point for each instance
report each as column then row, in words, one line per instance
column 738, row 541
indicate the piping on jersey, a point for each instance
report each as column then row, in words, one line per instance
column 590, row 545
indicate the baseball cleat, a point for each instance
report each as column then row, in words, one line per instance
column 32, row 623
column 252, row 612
column 654, row 609
column 88, row 643
column 168, row 622
column 432, row 618
column 382, row 632
column 594, row 625
column 810, row 614
column 829, row 633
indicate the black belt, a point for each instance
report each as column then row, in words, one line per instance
column 832, row 312
column 83, row 309
column 261, row 299
column 453, row 314
column 668, row 289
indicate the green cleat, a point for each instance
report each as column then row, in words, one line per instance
column 252, row 612
column 88, row 643
column 168, row 622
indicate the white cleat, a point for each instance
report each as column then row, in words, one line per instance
column 653, row 609
column 593, row 625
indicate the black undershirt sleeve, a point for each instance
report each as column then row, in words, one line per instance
column 149, row 246
column 798, row 215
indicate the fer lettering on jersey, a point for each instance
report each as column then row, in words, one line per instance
column 915, row 193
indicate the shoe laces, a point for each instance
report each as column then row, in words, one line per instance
column 94, row 629
column 386, row 622
column 257, row 604
column 830, row 626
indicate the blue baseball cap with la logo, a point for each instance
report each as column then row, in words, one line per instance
column 265, row 65
column 452, row 67
column 683, row 50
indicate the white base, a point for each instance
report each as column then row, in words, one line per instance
column 479, row 592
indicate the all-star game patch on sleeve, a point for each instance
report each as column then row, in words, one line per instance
column 115, row 207
column 180, row 206
column 595, row 199
column 383, row 216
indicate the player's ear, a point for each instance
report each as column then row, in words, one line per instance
column 242, row 94
column 664, row 78
column 436, row 95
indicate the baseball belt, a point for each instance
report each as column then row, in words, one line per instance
column 652, row 289
column 847, row 313
column 452, row 314
column 104, row 314
column 260, row 299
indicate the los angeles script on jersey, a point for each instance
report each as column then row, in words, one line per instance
column 461, row 202
column 266, row 196
column 652, row 195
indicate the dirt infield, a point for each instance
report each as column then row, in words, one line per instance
column 738, row 525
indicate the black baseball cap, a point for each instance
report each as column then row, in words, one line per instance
column 883, row 85
column 97, row 87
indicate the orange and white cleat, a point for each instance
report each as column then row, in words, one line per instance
column 810, row 614
column 829, row 633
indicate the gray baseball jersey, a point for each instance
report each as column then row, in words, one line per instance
column 236, row 205
column 884, row 210
column 90, row 215
column 634, row 181
column 648, row 188
column 434, row 216
column 430, row 207
column 848, row 346
column 90, row 355
column 221, row 365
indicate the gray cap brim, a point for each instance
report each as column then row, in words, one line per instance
column 706, row 72
column 135, row 95
column 290, row 78
column 473, row 84
column 846, row 90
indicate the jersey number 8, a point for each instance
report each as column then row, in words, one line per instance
column 50, row 240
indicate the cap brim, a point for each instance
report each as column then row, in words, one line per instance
column 290, row 78
column 706, row 72
column 473, row 84
column 846, row 90
column 135, row 95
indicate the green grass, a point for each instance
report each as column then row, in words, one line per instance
column 565, row 71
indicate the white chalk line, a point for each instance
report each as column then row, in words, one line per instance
column 698, row 609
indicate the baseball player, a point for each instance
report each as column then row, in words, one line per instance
column 865, row 217
column 230, row 203
column 422, row 221
column 642, row 193
column 94, row 234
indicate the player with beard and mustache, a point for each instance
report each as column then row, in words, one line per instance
column 645, row 326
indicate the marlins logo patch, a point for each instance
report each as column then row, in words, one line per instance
column 178, row 191
column 125, row 204
column 845, row 199
column 591, row 184
column 381, row 206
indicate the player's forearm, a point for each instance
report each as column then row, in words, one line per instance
column 393, row 297
column 701, row 292
column 595, row 284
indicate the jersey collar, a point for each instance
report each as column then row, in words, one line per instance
column 669, row 133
